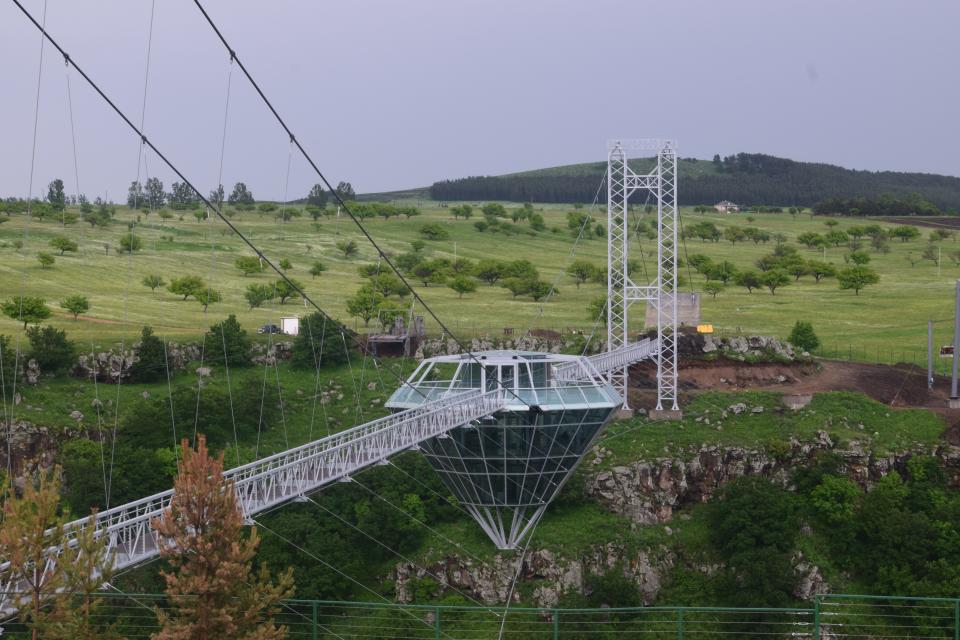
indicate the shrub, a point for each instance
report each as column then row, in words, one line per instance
column 50, row 348
column 803, row 336
column 433, row 231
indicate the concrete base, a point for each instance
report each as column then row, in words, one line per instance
column 623, row 414
column 666, row 414
column 954, row 403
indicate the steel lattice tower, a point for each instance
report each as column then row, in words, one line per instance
column 661, row 183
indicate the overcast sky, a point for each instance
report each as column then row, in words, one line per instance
column 391, row 95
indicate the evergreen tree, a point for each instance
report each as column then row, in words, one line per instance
column 229, row 338
column 211, row 586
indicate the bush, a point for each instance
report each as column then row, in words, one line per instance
column 319, row 342
column 50, row 348
column 803, row 336
column 433, row 231
column 231, row 342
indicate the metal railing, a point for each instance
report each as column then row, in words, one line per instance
column 292, row 473
column 829, row 617
column 604, row 363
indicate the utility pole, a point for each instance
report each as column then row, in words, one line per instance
column 954, row 400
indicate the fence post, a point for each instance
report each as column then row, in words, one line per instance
column 816, row 618
column 436, row 623
column 315, row 621
column 956, row 620
column 555, row 615
column 680, row 628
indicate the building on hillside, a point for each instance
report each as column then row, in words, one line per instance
column 725, row 206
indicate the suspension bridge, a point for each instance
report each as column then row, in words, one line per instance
column 538, row 413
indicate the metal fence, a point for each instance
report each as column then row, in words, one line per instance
column 828, row 617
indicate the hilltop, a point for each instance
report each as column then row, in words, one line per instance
column 745, row 178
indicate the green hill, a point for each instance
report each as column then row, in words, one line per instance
column 745, row 178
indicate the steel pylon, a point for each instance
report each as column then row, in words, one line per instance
column 661, row 184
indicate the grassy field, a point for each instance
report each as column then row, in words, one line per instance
column 884, row 321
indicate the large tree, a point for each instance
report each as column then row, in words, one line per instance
column 212, row 588
column 135, row 195
column 56, row 196
column 156, row 196
column 345, row 191
column 318, row 196
column 240, row 195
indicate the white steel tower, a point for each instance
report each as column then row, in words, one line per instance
column 622, row 291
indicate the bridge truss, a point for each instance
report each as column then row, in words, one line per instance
column 622, row 291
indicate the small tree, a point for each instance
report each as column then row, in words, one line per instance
column 734, row 234
column 820, row 270
column 348, row 248
column 75, row 304
column 433, row 231
column 749, row 279
column 257, row 294
column 364, row 303
column 597, row 310
column 774, row 279
column 208, row 296
column 713, row 288
column 153, row 281
column 45, row 259
column 931, row 253
column 285, row 264
column 857, row 278
column 130, row 242
column 287, row 289
column 63, row 244
column 317, row 268
column 248, row 264
column 723, row 271
column 26, row 309
column 581, row 271
column 803, row 336
column 230, row 338
column 462, row 285
column 489, row 270
column 187, row 286
column 211, row 586
column 859, row 257
column 538, row 290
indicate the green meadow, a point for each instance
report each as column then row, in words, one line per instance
column 887, row 320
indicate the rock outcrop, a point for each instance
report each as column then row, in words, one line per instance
column 651, row 491
column 491, row 582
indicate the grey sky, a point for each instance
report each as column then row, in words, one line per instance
column 398, row 94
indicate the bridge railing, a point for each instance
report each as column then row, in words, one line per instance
column 284, row 476
column 609, row 361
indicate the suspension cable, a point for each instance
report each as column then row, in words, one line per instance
column 340, row 201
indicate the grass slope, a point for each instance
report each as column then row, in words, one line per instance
column 887, row 321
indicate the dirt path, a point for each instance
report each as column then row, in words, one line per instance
column 899, row 385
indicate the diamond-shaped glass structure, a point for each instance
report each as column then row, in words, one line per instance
column 507, row 467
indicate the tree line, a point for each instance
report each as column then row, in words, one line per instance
column 744, row 178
